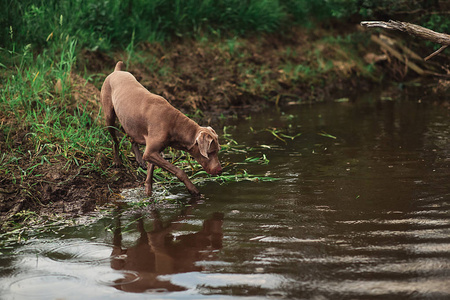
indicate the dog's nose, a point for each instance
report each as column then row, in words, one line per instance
column 218, row 171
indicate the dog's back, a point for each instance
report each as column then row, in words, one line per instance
column 121, row 86
column 124, row 97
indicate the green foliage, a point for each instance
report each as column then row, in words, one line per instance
column 437, row 22
column 106, row 24
column 103, row 24
column 54, row 127
column 425, row 13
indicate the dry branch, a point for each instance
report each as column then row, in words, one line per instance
column 415, row 30
column 395, row 53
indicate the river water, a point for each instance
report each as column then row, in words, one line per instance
column 361, row 210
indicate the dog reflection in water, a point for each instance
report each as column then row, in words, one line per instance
column 158, row 253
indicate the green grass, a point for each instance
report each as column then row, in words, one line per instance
column 46, row 132
column 110, row 24
column 102, row 25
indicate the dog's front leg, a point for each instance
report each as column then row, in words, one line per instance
column 137, row 154
column 155, row 158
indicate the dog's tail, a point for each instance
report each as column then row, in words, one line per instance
column 119, row 66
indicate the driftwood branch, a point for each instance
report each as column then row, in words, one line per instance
column 415, row 30
column 397, row 55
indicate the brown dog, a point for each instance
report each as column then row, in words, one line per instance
column 150, row 120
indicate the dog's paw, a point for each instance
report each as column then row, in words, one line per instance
column 195, row 193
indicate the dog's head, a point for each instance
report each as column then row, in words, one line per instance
column 205, row 149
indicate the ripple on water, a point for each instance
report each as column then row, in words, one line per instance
column 80, row 252
column 282, row 239
column 120, row 277
column 433, row 288
column 48, row 285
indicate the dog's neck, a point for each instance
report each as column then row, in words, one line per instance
column 184, row 133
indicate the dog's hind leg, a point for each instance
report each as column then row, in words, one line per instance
column 110, row 118
column 112, row 132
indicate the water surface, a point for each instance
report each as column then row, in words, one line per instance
column 361, row 211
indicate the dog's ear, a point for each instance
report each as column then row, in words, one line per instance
column 204, row 141
column 213, row 131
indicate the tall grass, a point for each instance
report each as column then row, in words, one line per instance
column 40, row 125
column 106, row 24
column 101, row 24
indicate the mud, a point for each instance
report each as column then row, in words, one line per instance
column 236, row 74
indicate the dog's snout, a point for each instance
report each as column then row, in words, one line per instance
column 218, row 171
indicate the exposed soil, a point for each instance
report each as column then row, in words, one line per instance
column 236, row 74
column 222, row 78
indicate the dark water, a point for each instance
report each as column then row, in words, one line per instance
column 364, row 215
